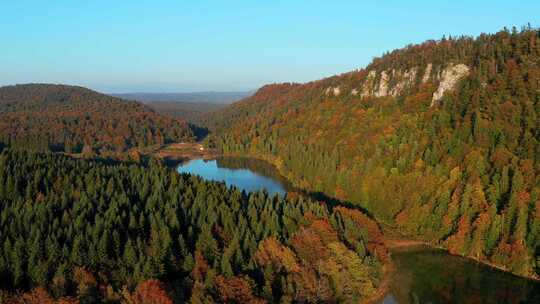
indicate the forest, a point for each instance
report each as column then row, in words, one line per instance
column 70, row 119
column 438, row 140
column 83, row 231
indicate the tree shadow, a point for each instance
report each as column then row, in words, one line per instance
column 200, row 132
column 333, row 202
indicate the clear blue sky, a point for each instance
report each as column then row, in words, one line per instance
column 120, row 46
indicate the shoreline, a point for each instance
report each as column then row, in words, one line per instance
column 404, row 244
column 386, row 282
column 388, row 268
column 392, row 242
column 401, row 241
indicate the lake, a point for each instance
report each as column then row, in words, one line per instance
column 423, row 275
column 244, row 173
column 427, row 275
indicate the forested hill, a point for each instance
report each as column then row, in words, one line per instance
column 440, row 140
column 68, row 118
column 79, row 231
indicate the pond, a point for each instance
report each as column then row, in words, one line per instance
column 423, row 275
column 244, row 173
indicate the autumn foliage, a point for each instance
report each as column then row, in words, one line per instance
column 89, row 231
column 149, row 292
column 70, row 119
column 461, row 172
column 236, row 290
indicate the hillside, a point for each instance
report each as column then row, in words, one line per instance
column 89, row 232
column 68, row 118
column 439, row 140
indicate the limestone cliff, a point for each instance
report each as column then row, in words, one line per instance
column 448, row 80
column 396, row 82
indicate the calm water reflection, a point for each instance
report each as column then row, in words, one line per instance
column 244, row 173
column 432, row 276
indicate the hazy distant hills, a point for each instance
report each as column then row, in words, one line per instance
column 203, row 97
column 188, row 106
column 67, row 118
column 190, row 111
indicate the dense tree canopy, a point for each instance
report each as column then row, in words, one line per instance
column 462, row 172
column 74, row 119
column 83, row 230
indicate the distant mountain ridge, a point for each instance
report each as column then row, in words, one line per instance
column 188, row 106
column 68, row 118
column 204, row 97
column 190, row 111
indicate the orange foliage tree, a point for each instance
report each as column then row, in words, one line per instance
column 148, row 292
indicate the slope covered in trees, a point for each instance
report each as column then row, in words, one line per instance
column 75, row 230
column 440, row 140
column 68, row 118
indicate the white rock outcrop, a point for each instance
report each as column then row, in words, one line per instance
column 450, row 76
column 383, row 85
column 333, row 90
column 396, row 82
column 405, row 80
column 368, row 84
column 427, row 73
column 391, row 83
column 327, row 91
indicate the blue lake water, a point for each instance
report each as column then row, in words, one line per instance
column 246, row 174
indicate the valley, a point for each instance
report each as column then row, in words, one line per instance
column 415, row 179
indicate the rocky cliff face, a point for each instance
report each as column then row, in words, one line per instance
column 395, row 82
column 449, row 78
column 427, row 73
column 388, row 82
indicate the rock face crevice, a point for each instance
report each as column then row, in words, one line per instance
column 450, row 76
column 427, row 73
